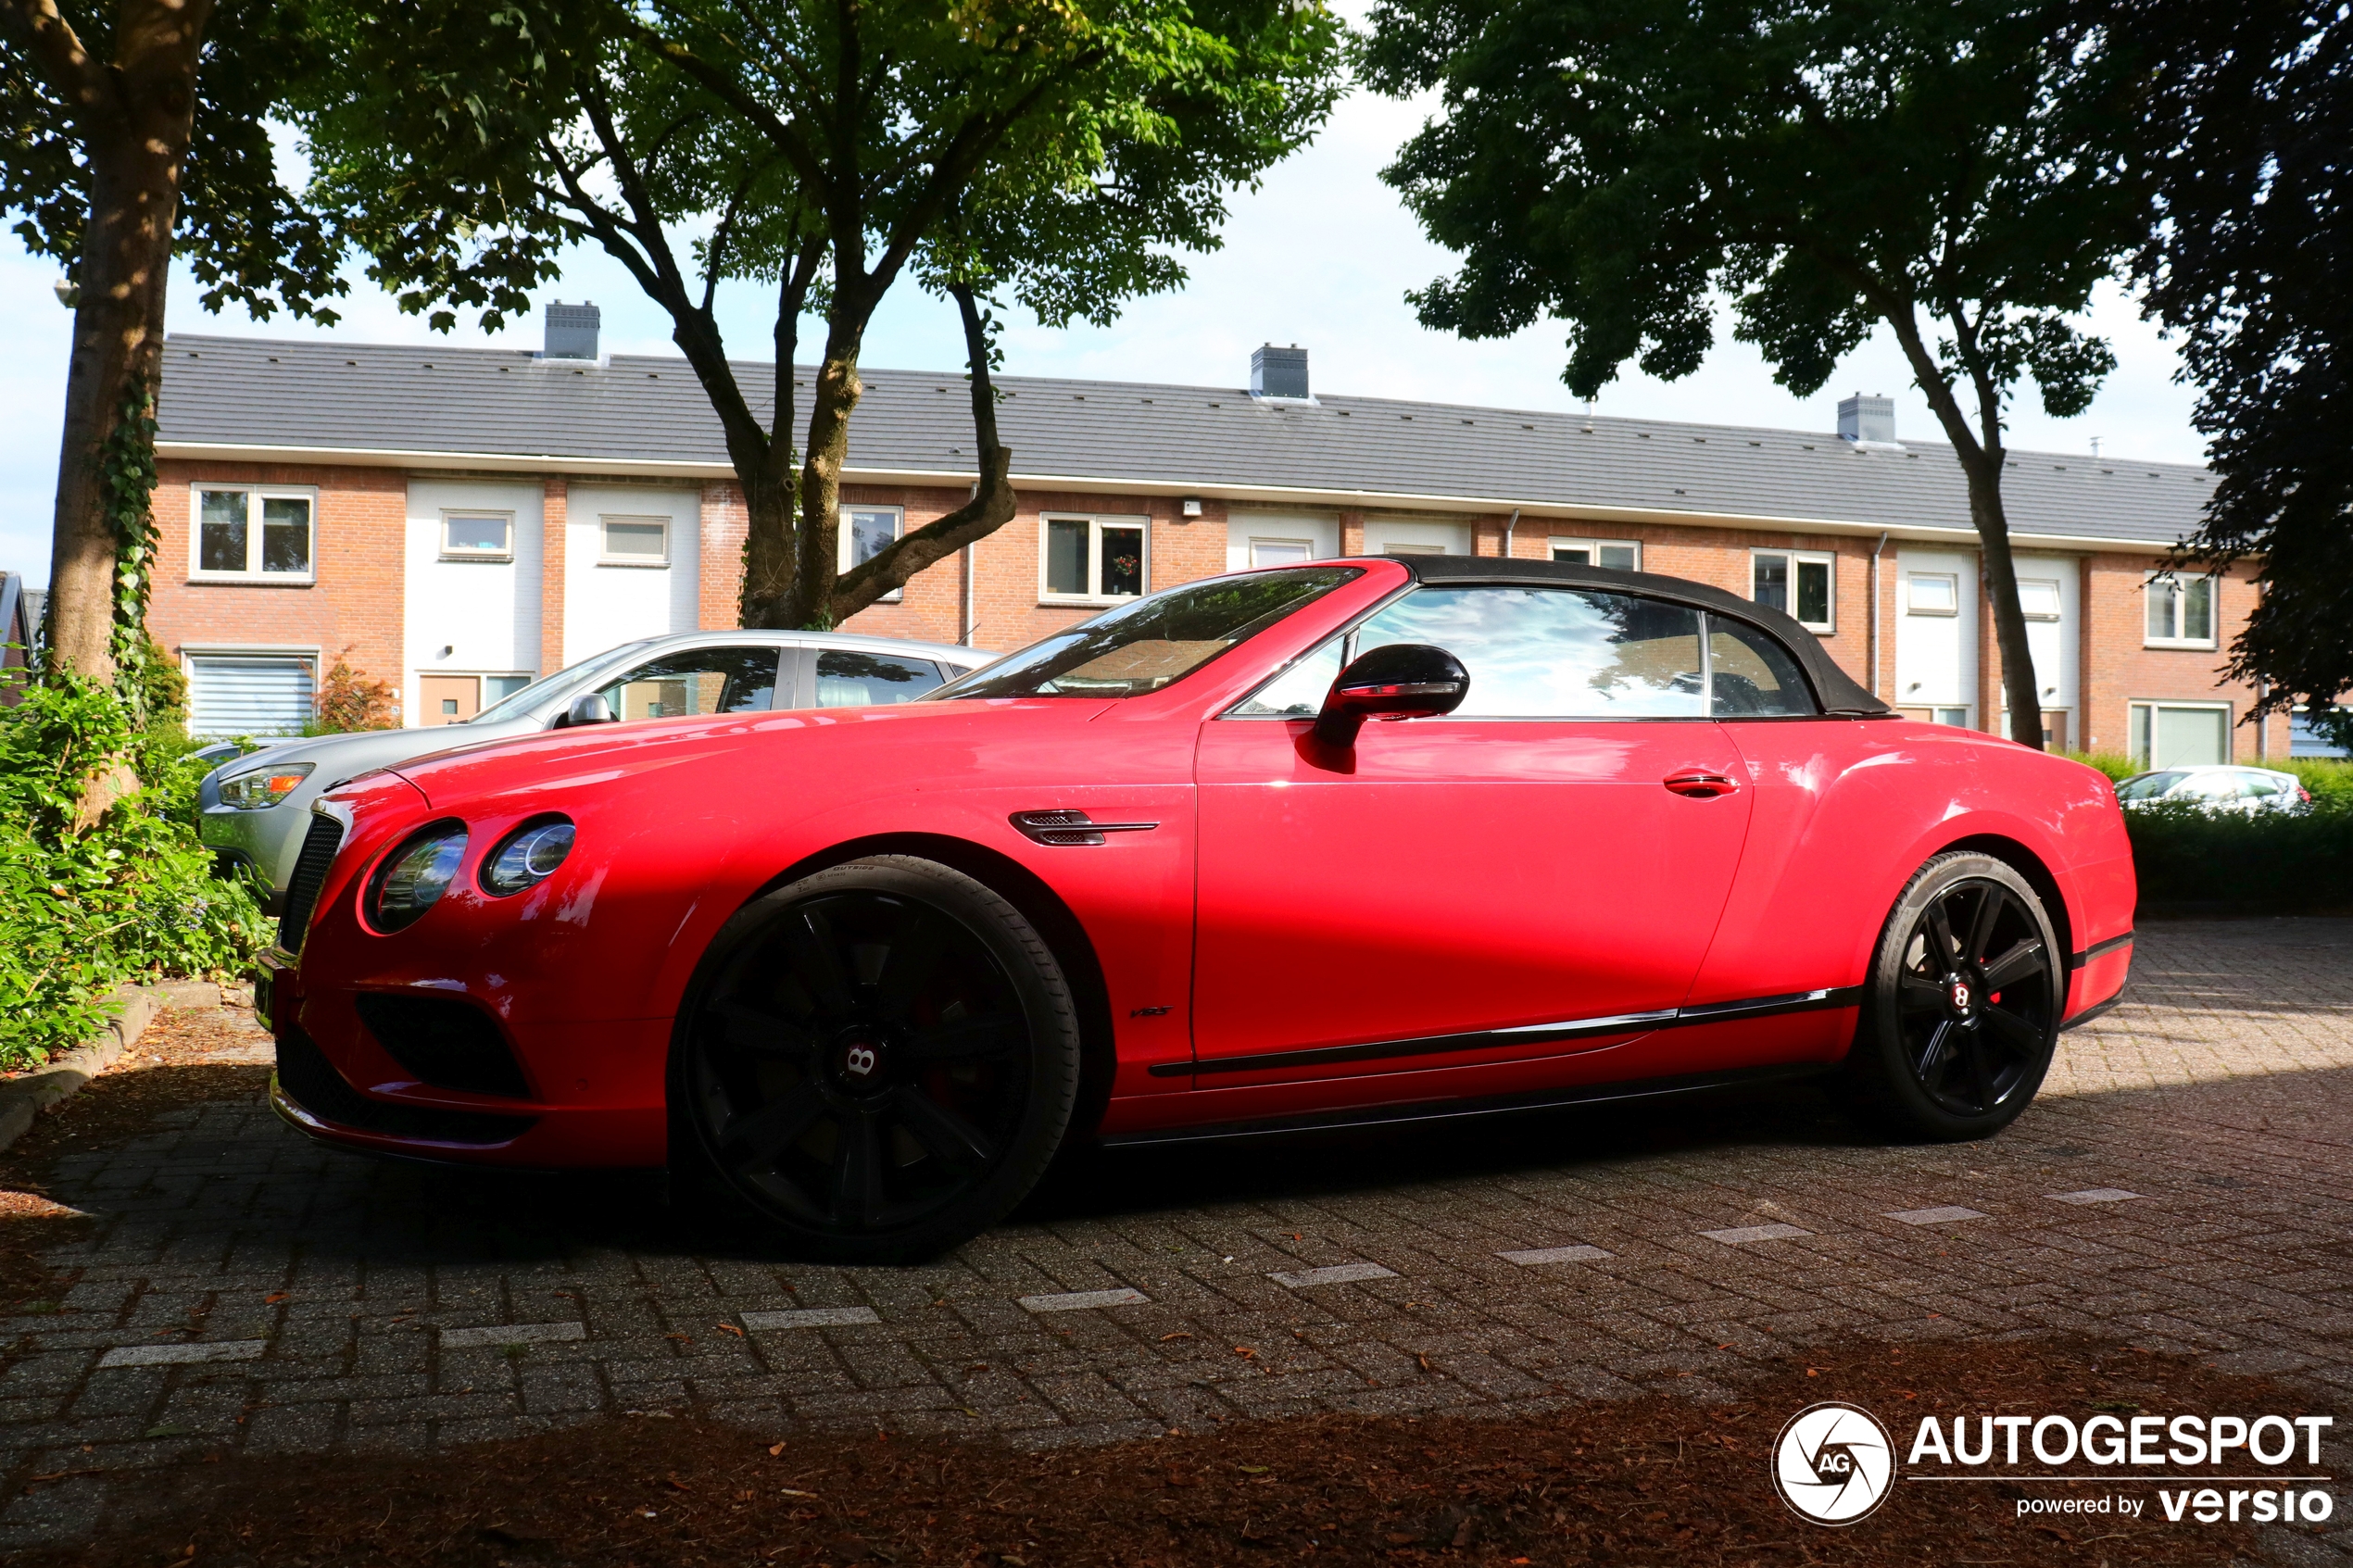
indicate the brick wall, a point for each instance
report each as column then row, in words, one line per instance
column 355, row 601
column 725, row 522
column 2120, row 669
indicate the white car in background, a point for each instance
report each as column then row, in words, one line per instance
column 2217, row 787
column 255, row 810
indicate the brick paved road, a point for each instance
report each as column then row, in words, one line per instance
column 339, row 1302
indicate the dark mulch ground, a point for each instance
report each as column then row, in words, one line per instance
column 1659, row 1480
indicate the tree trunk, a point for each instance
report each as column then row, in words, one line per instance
column 2001, row 590
column 831, row 402
column 992, row 504
column 136, row 119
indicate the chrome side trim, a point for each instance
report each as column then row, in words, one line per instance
column 1069, row 829
column 1816, row 1000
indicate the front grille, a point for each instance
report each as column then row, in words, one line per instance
column 451, row 1045
column 306, row 1077
column 318, row 855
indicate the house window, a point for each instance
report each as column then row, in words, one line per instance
column 865, row 533
column 1619, row 555
column 477, row 537
column 635, row 541
column 2180, row 611
column 2038, row 598
column 1795, row 583
column 1094, row 559
column 2181, row 735
column 1956, row 717
column 252, row 533
column 1281, row 552
column 1931, row 593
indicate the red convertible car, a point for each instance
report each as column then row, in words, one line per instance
column 1366, row 841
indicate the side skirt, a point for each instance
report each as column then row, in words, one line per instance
column 1449, row 1111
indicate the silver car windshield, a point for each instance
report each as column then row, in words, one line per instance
column 515, row 705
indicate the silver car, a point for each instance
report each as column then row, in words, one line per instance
column 2217, row 787
column 256, row 808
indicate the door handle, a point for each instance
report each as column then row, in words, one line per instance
column 1699, row 785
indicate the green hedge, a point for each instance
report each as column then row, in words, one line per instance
column 2190, row 861
column 85, row 907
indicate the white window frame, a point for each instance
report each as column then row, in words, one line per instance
column 1828, row 625
column 2058, row 599
column 454, row 552
column 842, row 540
column 1952, row 580
column 255, row 495
column 313, row 654
column 1593, row 547
column 1249, row 549
column 606, row 519
column 2137, row 706
column 1097, row 523
column 2176, row 589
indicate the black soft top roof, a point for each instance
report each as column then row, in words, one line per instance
column 1837, row 690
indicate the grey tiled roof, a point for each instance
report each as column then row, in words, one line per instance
column 253, row 392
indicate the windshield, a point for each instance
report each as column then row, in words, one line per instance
column 1142, row 647
column 515, row 704
column 2147, row 786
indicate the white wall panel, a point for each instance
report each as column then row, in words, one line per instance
column 1936, row 655
column 485, row 612
column 1274, row 531
column 605, row 606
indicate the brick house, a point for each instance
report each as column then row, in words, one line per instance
column 458, row 522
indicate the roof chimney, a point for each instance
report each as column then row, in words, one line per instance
column 1279, row 372
column 571, row 331
column 1871, row 420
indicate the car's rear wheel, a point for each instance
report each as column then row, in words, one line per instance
column 881, row 1058
column 1962, row 1010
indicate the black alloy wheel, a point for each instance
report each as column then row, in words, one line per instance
column 1964, row 1004
column 881, row 1058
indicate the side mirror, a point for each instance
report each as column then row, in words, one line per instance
column 591, row 709
column 1402, row 681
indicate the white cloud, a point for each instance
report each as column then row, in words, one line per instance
column 1320, row 255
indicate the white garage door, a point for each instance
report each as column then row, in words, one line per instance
column 247, row 694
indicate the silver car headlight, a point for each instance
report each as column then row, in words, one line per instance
column 413, row 877
column 263, row 787
column 526, row 856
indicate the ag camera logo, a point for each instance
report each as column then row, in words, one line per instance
column 1833, row 1463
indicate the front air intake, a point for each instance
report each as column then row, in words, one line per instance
column 317, row 855
column 448, row 1044
column 310, row 1081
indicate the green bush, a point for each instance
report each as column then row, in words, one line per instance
column 2267, row 862
column 85, row 907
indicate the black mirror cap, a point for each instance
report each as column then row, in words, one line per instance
column 588, row 709
column 1401, row 680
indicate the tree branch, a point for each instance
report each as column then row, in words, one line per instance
column 762, row 119
column 64, row 61
column 990, row 508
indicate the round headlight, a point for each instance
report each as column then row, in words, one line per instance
column 414, row 876
column 526, row 856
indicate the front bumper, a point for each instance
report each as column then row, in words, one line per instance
column 596, row 1098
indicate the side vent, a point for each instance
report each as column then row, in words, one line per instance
column 318, row 855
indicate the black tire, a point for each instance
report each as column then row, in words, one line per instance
column 1961, row 1010
column 880, row 1059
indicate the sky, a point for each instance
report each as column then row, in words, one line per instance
column 1320, row 255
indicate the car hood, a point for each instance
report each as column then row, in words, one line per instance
column 561, row 759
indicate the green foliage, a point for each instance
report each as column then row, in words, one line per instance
column 83, row 908
column 2269, row 862
column 126, row 486
column 248, row 240
column 2250, row 130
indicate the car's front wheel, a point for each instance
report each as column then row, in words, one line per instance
column 881, row 1058
column 1961, row 1013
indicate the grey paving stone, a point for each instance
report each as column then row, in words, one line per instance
column 182, row 1355
column 1339, row 1273
column 1741, row 1236
column 2091, row 1194
column 1081, row 1300
column 511, row 1334
column 812, row 1317
column 1951, row 1213
column 1536, row 1255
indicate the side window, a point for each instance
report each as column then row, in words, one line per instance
column 1554, row 653
column 1754, row 676
column 696, row 681
column 848, row 679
